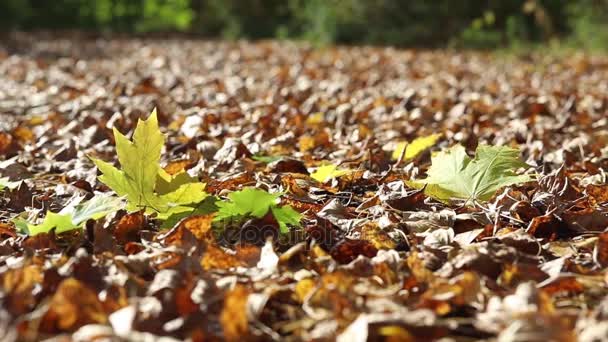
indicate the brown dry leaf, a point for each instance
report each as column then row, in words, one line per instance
column 301, row 206
column 308, row 143
column 419, row 270
column 7, row 230
column 599, row 193
column 294, row 184
column 288, row 166
column 19, row 284
column 128, row 227
column 20, row 198
column 115, row 298
column 230, row 183
column 444, row 297
column 183, row 299
column 514, row 274
column 334, row 292
column 177, row 166
column 353, row 179
column 216, row 258
column 7, row 144
column 563, row 285
column 348, row 250
column 600, row 252
column 24, row 134
column 544, row 226
column 586, row 219
column 388, row 274
column 42, row 241
column 248, row 254
column 380, row 239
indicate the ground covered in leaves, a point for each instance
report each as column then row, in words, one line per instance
column 376, row 254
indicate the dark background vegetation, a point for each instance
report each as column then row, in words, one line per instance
column 420, row 23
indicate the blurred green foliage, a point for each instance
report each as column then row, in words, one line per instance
column 463, row 23
column 104, row 15
column 589, row 22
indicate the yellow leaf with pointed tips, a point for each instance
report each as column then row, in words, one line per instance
column 416, row 147
column 326, row 172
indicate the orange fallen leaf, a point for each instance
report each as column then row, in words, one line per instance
column 74, row 305
column 233, row 318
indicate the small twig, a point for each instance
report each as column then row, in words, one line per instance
column 356, row 157
column 401, row 156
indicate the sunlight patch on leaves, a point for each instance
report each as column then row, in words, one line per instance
column 417, row 146
column 453, row 174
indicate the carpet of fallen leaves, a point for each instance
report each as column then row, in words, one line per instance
column 373, row 260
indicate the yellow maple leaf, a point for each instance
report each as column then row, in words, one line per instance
column 325, row 173
column 416, row 147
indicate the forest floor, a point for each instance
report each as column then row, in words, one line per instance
column 502, row 252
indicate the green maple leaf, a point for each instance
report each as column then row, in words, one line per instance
column 141, row 179
column 73, row 216
column 61, row 223
column 251, row 202
column 286, row 216
column 453, row 174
